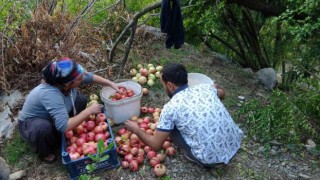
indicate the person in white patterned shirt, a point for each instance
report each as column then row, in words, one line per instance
column 195, row 119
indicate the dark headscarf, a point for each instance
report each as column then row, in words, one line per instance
column 62, row 72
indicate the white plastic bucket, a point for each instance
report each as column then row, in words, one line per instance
column 198, row 78
column 124, row 109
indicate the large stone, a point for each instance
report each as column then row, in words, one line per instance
column 10, row 99
column 4, row 169
column 311, row 143
column 267, row 77
column 18, row 175
column 145, row 30
column 7, row 120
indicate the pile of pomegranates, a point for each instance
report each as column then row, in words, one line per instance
column 133, row 152
column 122, row 94
column 146, row 75
column 83, row 140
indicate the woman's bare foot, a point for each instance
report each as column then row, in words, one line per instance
column 49, row 158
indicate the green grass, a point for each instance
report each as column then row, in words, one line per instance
column 181, row 53
column 229, row 102
column 191, row 67
column 15, row 149
column 166, row 178
column 164, row 60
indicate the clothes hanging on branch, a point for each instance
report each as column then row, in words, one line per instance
column 171, row 22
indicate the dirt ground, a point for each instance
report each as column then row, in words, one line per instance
column 249, row 162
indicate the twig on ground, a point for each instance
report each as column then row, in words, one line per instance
column 110, row 67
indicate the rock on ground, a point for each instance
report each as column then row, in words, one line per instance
column 4, row 169
column 268, row 77
column 7, row 119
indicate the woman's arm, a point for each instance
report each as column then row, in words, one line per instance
column 82, row 116
column 105, row 82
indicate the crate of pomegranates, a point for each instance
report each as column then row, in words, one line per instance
column 82, row 142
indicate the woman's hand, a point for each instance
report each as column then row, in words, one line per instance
column 132, row 126
column 115, row 86
column 95, row 108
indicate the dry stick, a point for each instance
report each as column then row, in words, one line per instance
column 128, row 47
column 147, row 19
column 306, row 70
column 3, row 35
column 75, row 22
column 52, row 6
column 104, row 9
column 131, row 24
column 100, row 70
column 2, row 46
column 3, row 66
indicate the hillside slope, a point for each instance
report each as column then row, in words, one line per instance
column 249, row 163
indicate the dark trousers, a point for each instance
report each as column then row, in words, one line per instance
column 42, row 135
column 177, row 138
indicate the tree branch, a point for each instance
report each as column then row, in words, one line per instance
column 232, row 31
column 225, row 43
column 127, row 49
column 105, row 9
column 52, row 6
column 131, row 24
column 75, row 22
column 264, row 8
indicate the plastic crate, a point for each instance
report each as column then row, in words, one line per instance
column 78, row 167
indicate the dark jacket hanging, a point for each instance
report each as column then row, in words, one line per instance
column 172, row 23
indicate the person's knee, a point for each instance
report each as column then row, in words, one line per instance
column 45, row 129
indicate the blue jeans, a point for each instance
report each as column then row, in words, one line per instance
column 42, row 135
column 177, row 138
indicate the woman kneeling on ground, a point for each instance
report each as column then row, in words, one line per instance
column 55, row 107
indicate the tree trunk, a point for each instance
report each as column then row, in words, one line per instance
column 233, row 32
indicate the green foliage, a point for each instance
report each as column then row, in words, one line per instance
column 228, row 30
column 300, row 28
column 280, row 119
column 165, row 178
column 13, row 13
column 135, row 6
column 99, row 157
column 290, row 37
column 15, row 149
column 307, row 99
column 302, row 18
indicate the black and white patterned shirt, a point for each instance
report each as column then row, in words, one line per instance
column 204, row 123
